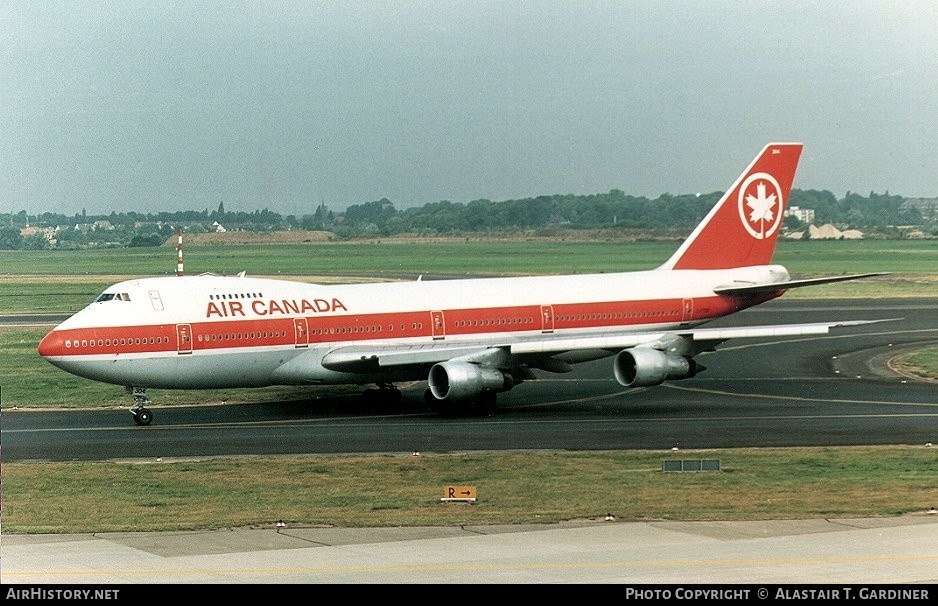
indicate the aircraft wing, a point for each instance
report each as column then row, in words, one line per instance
column 698, row 335
column 370, row 359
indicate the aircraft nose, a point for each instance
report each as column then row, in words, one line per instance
column 51, row 344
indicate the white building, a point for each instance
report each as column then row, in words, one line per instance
column 805, row 215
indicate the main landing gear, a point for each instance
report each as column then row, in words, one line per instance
column 142, row 414
column 480, row 405
column 385, row 395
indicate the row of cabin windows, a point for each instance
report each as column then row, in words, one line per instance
column 340, row 330
column 242, row 295
column 88, row 343
column 272, row 334
column 347, row 330
column 566, row 318
column 492, row 322
column 616, row 316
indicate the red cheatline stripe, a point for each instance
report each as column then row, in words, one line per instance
column 282, row 331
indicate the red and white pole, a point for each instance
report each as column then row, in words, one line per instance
column 179, row 271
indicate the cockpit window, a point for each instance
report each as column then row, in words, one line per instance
column 112, row 296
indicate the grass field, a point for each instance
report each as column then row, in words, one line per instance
column 512, row 488
column 404, row 490
column 454, row 257
column 65, row 281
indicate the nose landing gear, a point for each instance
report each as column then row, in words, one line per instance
column 142, row 414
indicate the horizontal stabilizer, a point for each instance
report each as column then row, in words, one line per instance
column 744, row 288
column 778, row 330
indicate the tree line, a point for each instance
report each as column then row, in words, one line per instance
column 886, row 215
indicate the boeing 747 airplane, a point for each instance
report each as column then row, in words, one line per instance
column 469, row 339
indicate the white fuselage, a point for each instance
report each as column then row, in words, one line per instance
column 207, row 331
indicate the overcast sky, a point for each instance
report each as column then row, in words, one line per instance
column 150, row 106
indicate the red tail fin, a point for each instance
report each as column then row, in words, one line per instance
column 742, row 228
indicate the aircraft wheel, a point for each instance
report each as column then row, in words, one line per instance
column 383, row 397
column 432, row 404
column 394, row 396
column 142, row 416
column 486, row 403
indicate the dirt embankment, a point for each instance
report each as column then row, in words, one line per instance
column 250, row 237
column 313, row 237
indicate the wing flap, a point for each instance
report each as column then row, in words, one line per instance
column 777, row 330
column 613, row 342
column 370, row 359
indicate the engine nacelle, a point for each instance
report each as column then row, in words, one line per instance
column 643, row 366
column 463, row 380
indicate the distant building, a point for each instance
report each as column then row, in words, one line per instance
column 805, row 215
column 46, row 232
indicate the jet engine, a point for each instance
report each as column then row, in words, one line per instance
column 457, row 380
column 644, row 366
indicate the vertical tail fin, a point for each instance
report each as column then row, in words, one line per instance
column 742, row 228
